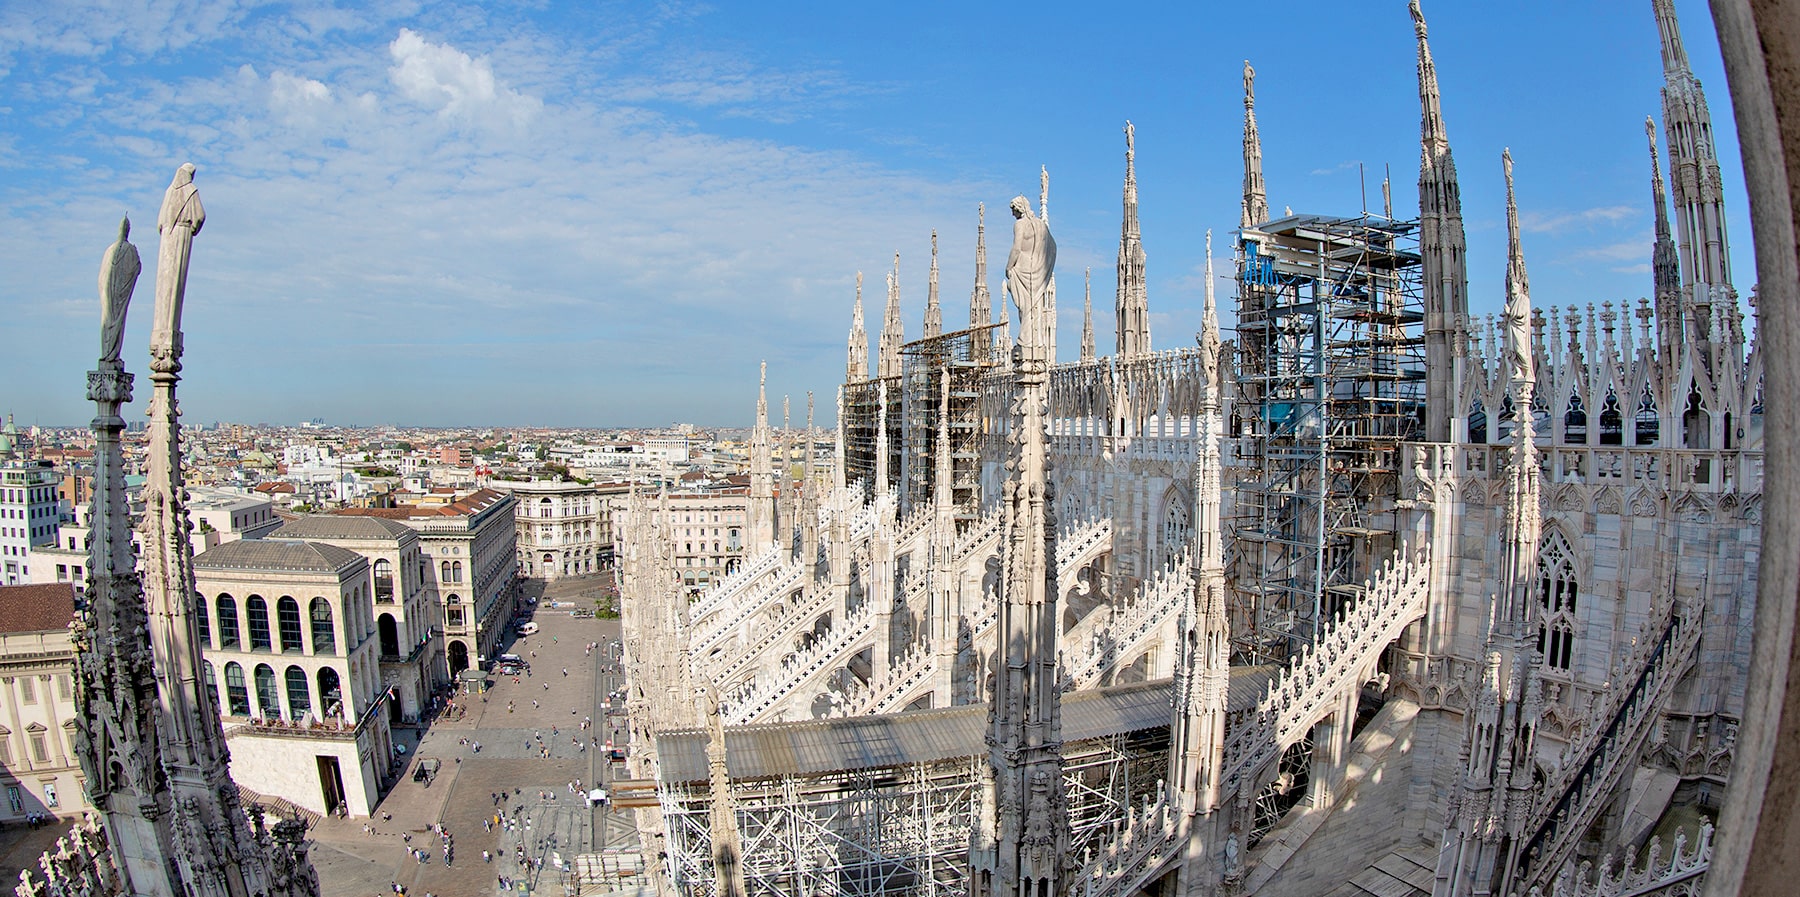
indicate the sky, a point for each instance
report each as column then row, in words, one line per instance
column 606, row 214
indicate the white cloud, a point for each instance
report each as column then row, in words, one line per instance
column 1561, row 222
column 443, row 78
column 290, row 90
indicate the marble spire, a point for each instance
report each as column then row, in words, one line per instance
column 1665, row 261
column 1087, row 317
column 858, row 368
column 934, row 315
column 1019, row 845
column 1048, row 321
column 1203, row 654
column 981, row 302
column 1694, row 179
column 1132, row 305
column 1442, row 247
column 151, row 744
column 1254, row 209
column 893, row 331
column 1488, row 813
column 762, row 470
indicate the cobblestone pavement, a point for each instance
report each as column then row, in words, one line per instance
column 530, row 754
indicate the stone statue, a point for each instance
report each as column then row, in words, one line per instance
column 1028, row 269
column 119, row 270
column 181, row 218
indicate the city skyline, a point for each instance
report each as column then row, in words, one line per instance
column 464, row 218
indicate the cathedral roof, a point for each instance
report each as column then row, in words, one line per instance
column 817, row 747
column 37, row 608
column 276, row 554
column 342, row 526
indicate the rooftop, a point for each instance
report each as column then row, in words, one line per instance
column 277, row 554
column 343, row 526
column 37, row 608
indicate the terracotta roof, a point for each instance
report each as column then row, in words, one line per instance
column 39, row 608
column 276, row 554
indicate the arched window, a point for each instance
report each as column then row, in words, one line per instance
column 257, row 610
column 456, row 572
column 390, row 635
column 324, row 638
column 268, row 696
column 204, row 620
column 1575, row 421
column 1612, row 423
column 299, row 696
column 384, row 581
column 237, row 694
column 444, row 571
column 1478, row 425
column 1558, row 592
column 228, row 621
column 287, row 616
column 331, row 694
column 211, row 683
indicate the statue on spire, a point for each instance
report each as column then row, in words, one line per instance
column 1028, row 270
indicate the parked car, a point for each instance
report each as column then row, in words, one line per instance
column 616, row 755
column 528, row 628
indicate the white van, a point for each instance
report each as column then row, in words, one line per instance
column 528, row 628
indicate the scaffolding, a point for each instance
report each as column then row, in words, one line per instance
column 893, row 831
column 1331, row 380
column 862, row 424
column 925, row 366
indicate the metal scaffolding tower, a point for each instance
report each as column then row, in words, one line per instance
column 1331, row 379
column 924, row 366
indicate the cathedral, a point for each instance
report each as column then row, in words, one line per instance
column 1370, row 596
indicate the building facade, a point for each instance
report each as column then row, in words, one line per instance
column 292, row 660
column 470, row 546
column 39, row 770
column 408, row 619
column 564, row 529
column 28, row 516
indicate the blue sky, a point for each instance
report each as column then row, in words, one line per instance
column 600, row 214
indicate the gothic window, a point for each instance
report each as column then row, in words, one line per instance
column 204, row 620
column 1478, row 425
column 1612, row 423
column 1176, row 526
column 1575, row 421
column 1694, row 420
column 299, row 696
column 1648, row 427
column 384, row 581
column 287, row 615
column 211, row 682
column 1557, row 594
column 237, row 692
column 257, row 610
column 228, row 621
column 324, row 638
column 268, row 696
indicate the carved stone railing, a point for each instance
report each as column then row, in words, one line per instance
column 913, row 524
column 1129, row 626
column 729, row 664
column 1315, row 681
column 1681, row 873
column 735, row 584
column 786, row 578
column 1621, row 720
column 913, row 666
column 79, row 864
column 1132, row 850
column 765, row 692
column 985, row 530
column 1083, row 542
